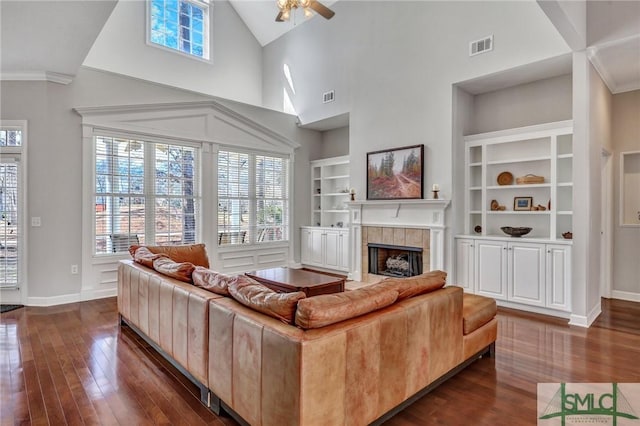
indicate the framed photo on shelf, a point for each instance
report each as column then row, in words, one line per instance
column 522, row 203
column 394, row 174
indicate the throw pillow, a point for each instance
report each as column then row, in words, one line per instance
column 413, row 286
column 144, row 257
column 212, row 281
column 192, row 253
column 261, row 298
column 180, row 271
column 319, row 311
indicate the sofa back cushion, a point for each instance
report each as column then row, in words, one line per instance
column 413, row 286
column 213, row 281
column 180, row 271
column 192, row 253
column 144, row 256
column 320, row 311
column 261, row 298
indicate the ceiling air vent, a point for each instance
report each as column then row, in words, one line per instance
column 328, row 97
column 481, row 46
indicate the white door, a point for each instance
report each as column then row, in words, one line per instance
column 526, row 273
column 558, row 276
column 332, row 242
column 491, row 268
column 12, row 213
column 305, row 246
column 317, row 255
column 465, row 264
column 343, row 248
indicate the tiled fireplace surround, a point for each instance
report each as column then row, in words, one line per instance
column 413, row 223
column 411, row 237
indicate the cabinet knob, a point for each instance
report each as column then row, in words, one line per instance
column 548, row 251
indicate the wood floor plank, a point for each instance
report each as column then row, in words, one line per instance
column 73, row 364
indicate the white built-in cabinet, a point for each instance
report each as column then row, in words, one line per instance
column 326, row 244
column 324, row 247
column 330, row 191
column 526, row 274
column 534, row 271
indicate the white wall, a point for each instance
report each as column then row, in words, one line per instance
column 393, row 67
column 236, row 71
column 626, row 137
column 335, row 142
column 54, row 181
column 539, row 102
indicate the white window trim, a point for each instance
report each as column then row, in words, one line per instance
column 23, row 228
column 252, row 199
column 149, row 162
column 207, row 45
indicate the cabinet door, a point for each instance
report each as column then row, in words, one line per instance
column 465, row 264
column 317, row 247
column 331, row 255
column 526, row 273
column 343, row 247
column 491, row 268
column 305, row 246
column 558, row 277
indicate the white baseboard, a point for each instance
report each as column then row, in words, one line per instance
column 92, row 294
column 625, row 295
column 586, row 321
column 53, row 300
column 534, row 309
column 85, row 295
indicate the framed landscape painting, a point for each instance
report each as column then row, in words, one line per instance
column 394, row 174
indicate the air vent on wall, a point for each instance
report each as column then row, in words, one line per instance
column 328, row 97
column 481, row 46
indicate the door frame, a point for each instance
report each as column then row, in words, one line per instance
column 606, row 223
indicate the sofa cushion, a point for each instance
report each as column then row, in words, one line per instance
column 319, row 311
column 192, row 253
column 476, row 312
column 144, row 256
column 180, row 271
column 261, row 298
column 413, row 286
column 213, row 281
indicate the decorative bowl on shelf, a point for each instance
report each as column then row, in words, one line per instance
column 505, row 178
column 516, row 231
column 567, row 235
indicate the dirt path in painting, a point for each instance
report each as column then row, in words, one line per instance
column 409, row 188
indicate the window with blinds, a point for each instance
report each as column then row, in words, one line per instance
column 145, row 193
column 10, row 206
column 253, row 198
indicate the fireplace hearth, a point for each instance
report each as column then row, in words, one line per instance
column 394, row 261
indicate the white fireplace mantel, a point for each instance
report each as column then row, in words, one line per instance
column 421, row 214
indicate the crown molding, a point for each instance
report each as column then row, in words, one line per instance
column 49, row 76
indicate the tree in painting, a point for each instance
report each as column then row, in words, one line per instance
column 395, row 173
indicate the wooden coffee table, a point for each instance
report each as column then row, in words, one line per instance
column 287, row 280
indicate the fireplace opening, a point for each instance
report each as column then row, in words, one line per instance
column 394, row 261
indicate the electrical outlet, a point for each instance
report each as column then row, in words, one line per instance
column 74, row 269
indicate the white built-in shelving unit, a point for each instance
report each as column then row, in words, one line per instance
column 534, row 271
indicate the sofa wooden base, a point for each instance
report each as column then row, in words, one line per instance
column 206, row 397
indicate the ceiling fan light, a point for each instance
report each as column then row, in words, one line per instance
column 307, row 12
column 285, row 15
column 281, row 4
column 304, row 3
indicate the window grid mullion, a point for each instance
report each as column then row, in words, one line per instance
column 149, row 193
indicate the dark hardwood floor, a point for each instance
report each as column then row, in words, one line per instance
column 72, row 364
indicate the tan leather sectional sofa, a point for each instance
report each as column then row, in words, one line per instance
column 268, row 373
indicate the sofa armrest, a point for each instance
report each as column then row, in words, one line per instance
column 173, row 314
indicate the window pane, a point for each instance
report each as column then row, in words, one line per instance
column 10, row 138
column 172, row 24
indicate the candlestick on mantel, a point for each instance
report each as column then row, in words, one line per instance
column 435, row 189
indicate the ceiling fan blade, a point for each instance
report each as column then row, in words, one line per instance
column 279, row 17
column 321, row 9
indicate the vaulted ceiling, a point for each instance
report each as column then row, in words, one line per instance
column 51, row 38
